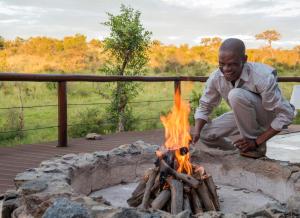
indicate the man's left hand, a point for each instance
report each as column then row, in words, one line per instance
column 245, row 144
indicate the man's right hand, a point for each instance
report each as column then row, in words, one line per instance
column 199, row 123
column 195, row 138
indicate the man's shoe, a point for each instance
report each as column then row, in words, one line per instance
column 258, row 153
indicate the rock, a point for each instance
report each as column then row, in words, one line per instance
column 270, row 210
column 10, row 203
column 64, row 208
column 293, row 204
column 34, row 186
column 10, row 194
column 209, row 214
column 234, row 215
column 183, row 214
column 93, row 136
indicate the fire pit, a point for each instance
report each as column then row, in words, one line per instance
column 72, row 180
column 175, row 184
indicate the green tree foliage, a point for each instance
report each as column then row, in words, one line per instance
column 127, row 44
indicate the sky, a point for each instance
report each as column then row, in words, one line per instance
column 170, row 21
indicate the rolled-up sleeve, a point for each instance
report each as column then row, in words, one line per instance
column 210, row 99
column 272, row 100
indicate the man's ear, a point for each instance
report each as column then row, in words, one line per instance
column 245, row 58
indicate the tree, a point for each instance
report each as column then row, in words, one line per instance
column 213, row 43
column 127, row 44
column 269, row 36
column 1, row 43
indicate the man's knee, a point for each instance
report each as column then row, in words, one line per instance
column 237, row 96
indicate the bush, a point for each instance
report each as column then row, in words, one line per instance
column 88, row 121
column 12, row 126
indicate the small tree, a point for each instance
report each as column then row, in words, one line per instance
column 127, row 44
column 269, row 35
column 1, row 43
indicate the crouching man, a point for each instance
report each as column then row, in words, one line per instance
column 259, row 111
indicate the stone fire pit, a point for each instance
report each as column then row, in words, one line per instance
column 63, row 186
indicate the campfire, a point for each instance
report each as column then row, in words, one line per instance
column 175, row 184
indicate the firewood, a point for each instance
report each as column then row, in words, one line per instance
column 204, row 195
column 212, row 189
column 155, row 187
column 187, row 189
column 176, row 195
column 160, row 201
column 196, row 203
column 150, row 182
column 135, row 200
column 140, row 187
column 186, row 203
column 184, row 177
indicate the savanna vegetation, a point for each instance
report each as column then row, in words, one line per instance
column 28, row 111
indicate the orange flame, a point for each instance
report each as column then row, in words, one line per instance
column 177, row 132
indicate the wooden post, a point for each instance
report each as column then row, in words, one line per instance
column 62, row 115
column 177, row 85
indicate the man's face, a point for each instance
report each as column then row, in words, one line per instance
column 231, row 65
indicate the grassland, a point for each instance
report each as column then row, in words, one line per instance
column 153, row 100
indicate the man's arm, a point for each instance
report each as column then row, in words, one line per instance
column 199, row 123
column 210, row 99
column 245, row 144
column 265, row 136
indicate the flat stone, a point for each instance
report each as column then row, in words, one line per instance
column 293, row 204
column 63, row 207
column 33, row 186
column 93, row 136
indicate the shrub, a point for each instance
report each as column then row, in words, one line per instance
column 88, row 121
column 12, row 126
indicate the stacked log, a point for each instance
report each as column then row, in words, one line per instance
column 178, row 192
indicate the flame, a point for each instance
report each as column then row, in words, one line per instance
column 177, row 132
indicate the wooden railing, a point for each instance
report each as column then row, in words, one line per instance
column 62, row 88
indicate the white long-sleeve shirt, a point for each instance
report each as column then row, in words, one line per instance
column 255, row 77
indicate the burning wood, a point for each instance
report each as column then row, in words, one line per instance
column 175, row 184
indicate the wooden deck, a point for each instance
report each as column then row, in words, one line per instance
column 17, row 159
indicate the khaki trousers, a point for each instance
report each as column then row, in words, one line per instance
column 247, row 118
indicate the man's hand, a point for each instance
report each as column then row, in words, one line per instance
column 199, row 123
column 195, row 138
column 245, row 144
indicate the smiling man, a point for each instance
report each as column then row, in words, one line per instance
column 259, row 111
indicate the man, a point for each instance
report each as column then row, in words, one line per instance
column 259, row 110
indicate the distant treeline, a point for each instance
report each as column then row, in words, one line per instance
column 74, row 54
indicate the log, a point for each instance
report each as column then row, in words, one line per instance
column 213, row 191
column 135, row 200
column 204, row 195
column 186, row 203
column 196, row 203
column 176, row 195
column 184, row 177
column 156, row 185
column 160, row 201
column 150, row 182
column 140, row 187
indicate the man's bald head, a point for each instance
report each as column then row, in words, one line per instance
column 232, row 58
column 233, row 45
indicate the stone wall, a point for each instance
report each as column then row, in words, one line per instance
column 62, row 184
